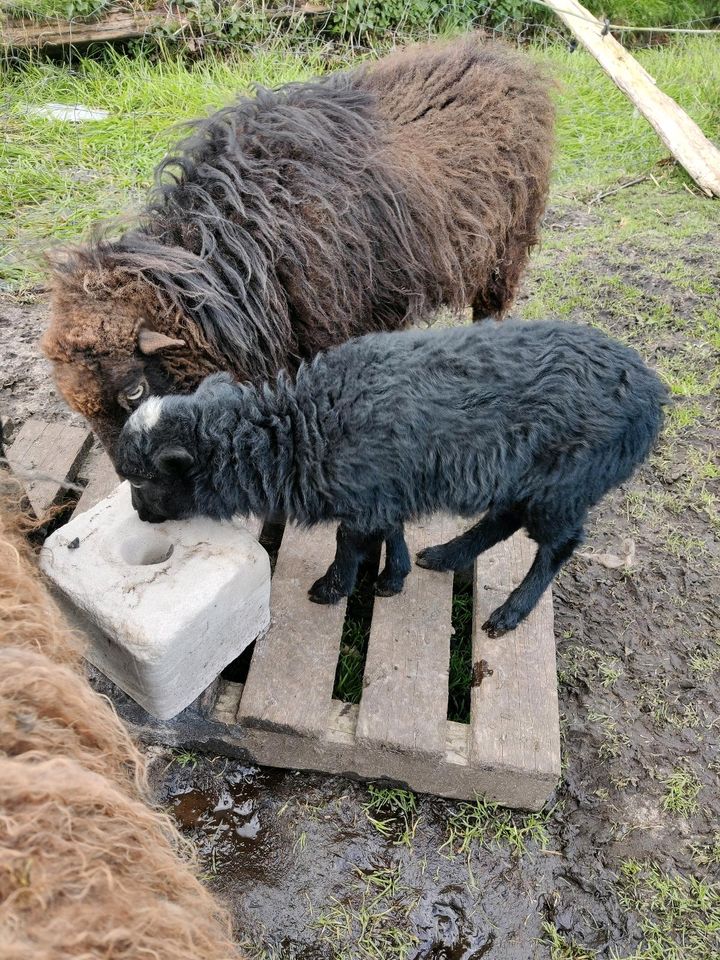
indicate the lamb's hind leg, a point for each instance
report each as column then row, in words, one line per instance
column 551, row 555
column 397, row 564
column 460, row 552
column 339, row 580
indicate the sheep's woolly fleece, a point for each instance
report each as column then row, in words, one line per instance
column 87, row 868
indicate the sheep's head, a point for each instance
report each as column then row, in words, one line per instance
column 155, row 455
column 113, row 343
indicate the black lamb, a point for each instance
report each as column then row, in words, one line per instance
column 528, row 423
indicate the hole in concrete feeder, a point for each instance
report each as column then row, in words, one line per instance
column 144, row 549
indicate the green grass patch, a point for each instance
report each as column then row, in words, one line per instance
column 60, row 10
column 98, row 169
column 681, row 793
column 563, row 948
column 186, row 758
column 707, row 854
column 706, row 663
column 487, row 823
column 679, row 916
column 366, row 926
column 613, row 740
column 393, row 813
column 351, row 662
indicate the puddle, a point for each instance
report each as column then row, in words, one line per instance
column 226, row 817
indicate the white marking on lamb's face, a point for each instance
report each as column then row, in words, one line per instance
column 147, row 414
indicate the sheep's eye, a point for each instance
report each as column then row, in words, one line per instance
column 136, row 393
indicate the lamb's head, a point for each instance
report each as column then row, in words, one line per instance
column 114, row 342
column 158, row 452
column 155, row 453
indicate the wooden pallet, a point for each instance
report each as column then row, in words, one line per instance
column 285, row 714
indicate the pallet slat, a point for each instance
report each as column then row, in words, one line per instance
column 514, row 711
column 52, row 451
column 405, row 689
column 292, row 672
column 101, row 481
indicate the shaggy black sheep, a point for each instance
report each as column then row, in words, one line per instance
column 531, row 422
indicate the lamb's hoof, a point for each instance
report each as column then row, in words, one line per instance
column 500, row 622
column 323, row 592
column 388, row 588
column 432, row 558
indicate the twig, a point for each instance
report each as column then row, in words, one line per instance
column 622, row 186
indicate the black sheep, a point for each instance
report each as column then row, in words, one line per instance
column 531, row 423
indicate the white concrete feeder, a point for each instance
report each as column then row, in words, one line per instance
column 167, row 606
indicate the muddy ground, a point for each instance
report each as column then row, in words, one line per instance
column 606, row 868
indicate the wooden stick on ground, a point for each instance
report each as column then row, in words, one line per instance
column 681, row 135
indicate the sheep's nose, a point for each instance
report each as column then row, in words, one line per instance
column 148, row 517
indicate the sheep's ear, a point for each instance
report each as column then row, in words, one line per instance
column 173, row 460
column 209, row 384
column 151, row 341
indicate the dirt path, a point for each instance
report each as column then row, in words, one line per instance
column 26, row 387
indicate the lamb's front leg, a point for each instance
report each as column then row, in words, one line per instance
column 339, row 581
column 397, row 563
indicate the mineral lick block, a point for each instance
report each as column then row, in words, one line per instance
column 167, row 606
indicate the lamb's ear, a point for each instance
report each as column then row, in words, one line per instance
column 173, row 460
column 151, row 341
column 211, row 383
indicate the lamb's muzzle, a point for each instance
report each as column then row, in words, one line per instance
column 529, row 424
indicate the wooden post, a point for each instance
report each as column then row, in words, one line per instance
column 681, row 135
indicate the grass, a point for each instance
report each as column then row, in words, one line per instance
column 365, row 927
column 613, row 740
column 706, row 663
column 186, row 758
column 54, row 9
column 681, row 792
column 679, row 916
column 351, row 662
column 562, row 948
column 487, row 823
column 97, row 169
column 707, row 854
column 393, row 813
